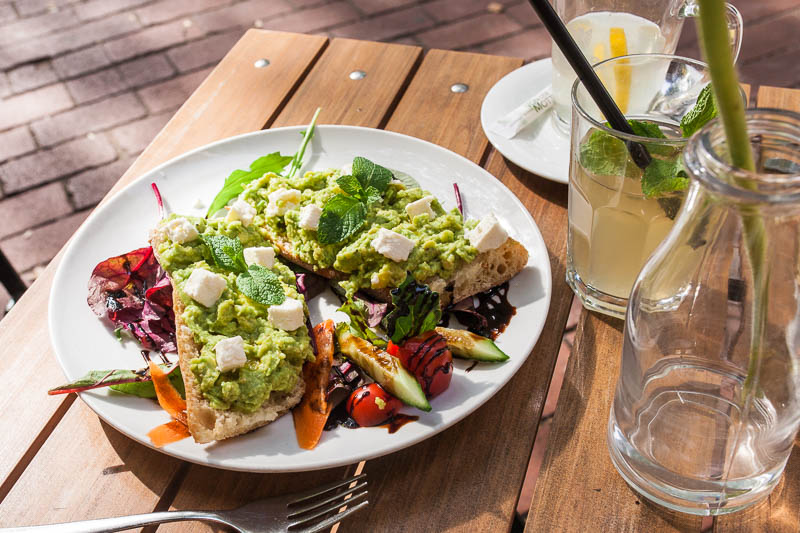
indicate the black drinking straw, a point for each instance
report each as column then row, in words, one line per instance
column 568, row 46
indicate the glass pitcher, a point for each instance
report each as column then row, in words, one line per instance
column 610, row 28
column 699, row 423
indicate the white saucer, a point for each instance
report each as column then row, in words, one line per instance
column 540, row 148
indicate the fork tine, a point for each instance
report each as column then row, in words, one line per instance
column 319, row 491
column 330, row 521
column 329, row 508
column 310, row 506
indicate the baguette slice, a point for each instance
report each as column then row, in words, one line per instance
column 207, row 424
column 487, row 270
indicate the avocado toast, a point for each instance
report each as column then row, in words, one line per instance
column 240, row 325
column 403, row 229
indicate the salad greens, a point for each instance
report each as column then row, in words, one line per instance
column 416, row 310
column 605, row 154
column 133, row 382
column 274, row 162
column 363, row 317
column 344, row 214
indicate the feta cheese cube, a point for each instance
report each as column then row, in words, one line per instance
column 487, row 235
column 421, row 207
column 391, row 244
column 309, row 217
column 281, row 201
column 180, row 230
column 230, row 353
column 205, row 287
column 241, row 210
column 260, row 255
column 287, row 316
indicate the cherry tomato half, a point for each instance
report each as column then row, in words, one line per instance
column 429, row 359
column 371, row 405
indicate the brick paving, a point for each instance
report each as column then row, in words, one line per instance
column 86, row 84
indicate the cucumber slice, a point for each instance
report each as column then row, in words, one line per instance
column 383, row 367
column 467, row 345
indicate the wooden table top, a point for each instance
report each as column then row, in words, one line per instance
column 60, row 463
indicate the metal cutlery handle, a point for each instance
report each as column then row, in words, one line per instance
column 119, row 523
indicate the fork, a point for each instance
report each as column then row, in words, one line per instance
column 301, row 512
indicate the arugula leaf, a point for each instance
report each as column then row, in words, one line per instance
column 235, row 183
column 371, row 175
column 416, row 310
column 361, row 314
column 262, row 285
column 704, row 110
column 341, row 217
column 227, row 253
column 661, row 177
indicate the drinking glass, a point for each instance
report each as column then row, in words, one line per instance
column 609, row 28
column 613, row 225
column 707, row 404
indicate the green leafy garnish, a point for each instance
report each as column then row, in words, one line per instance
column 703, row 111
column 227, row 253
column 145, row 389
column 664, row 176
column 344, row 214
column 134, row 382
column 416, row 310
column 235, row 183
column 261, row 285
column 604, row 155
column 274, row 162
column 361, row 313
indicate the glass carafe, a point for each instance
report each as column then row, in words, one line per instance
column 699, row 423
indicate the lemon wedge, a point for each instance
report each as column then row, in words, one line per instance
column 622, row 71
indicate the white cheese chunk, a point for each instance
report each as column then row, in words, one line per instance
column 241, row 210
column 230, row 353
column 487, row 235
column 391, row 244
column 421, row 207
column 347, row 169
column 287, row 316
column 180, row 230
column 309, row 217
column 260, row 255
column 205, row 287
column 281, row 201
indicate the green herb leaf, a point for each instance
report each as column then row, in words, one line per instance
column 604, row 155
column 227, row 253
column 371, row 175
column 661, row 177
column 416, row 310
column 646, row 129
column 372, row 195
column 136, row 382
column 341, row 217
column 360, row 314
column 261, row 285
column 297, row 161
column 704, row 110
column 351, row 186
column 234, row 185
column 145, row 389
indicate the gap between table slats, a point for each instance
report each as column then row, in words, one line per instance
column 28, row 365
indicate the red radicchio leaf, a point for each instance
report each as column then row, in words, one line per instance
column 309, row 285
column 134, row 293
column 458, row 199
column 376, row 311
column 159, row 200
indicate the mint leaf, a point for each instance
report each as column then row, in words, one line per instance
column 371, row 175
column 661, row 177
column 704, row 110
column 341, row 217
column 604, row 155
column 646, row 129
column 351, row 186
column 670, row 205
column 227, row 253
column 372, row 195
column 406, row 180
column 416, row 310
column 262, row 285
column 235, row 183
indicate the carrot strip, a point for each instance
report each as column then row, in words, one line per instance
column 312, row 412
column 168, row 397
column 170, row 432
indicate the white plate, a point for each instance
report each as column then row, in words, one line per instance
column 540, row 148
column 82, row 342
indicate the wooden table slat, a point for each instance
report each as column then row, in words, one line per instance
column 28, row 365
column 388, row 66
column 781, row 511
column 457, row 480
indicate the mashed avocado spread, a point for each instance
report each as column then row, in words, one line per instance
column 440, row 246
column 274, row 357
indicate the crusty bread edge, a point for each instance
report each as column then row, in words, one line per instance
column 205, row 423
